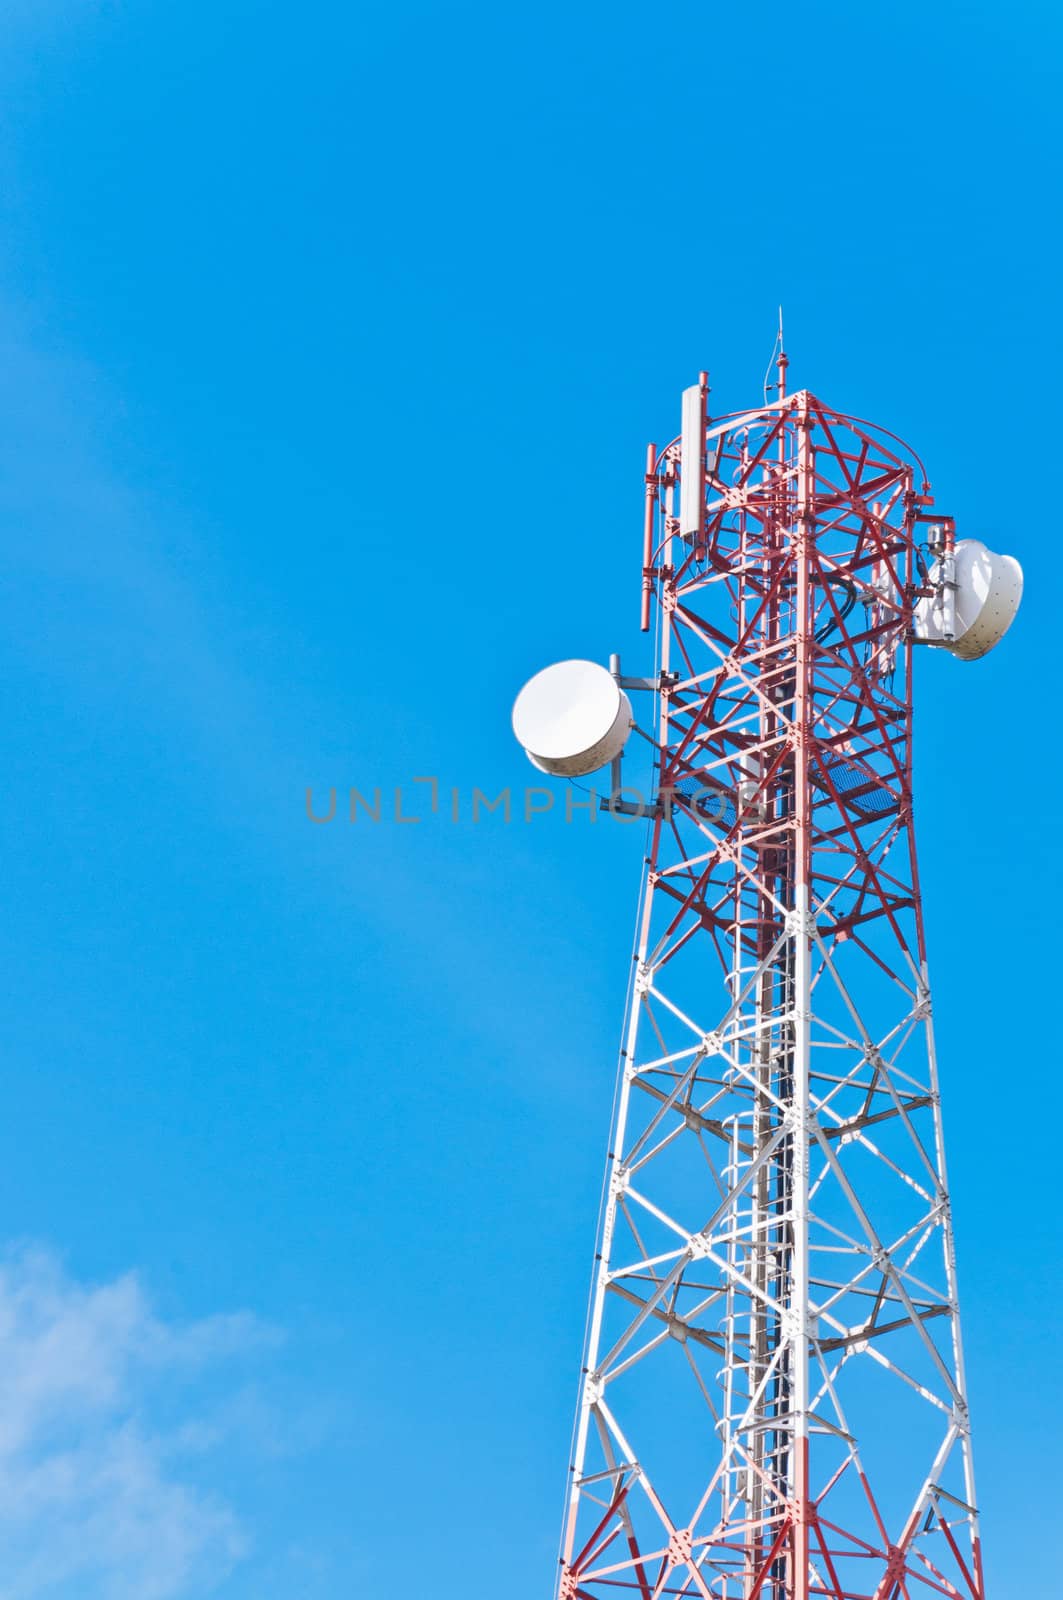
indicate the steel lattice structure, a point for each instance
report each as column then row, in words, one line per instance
column 773, row 1400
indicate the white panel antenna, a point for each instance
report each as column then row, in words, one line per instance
column 692, row 481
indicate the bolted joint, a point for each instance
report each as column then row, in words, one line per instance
column 792, row 1326
column 800, row 924
column 681, row 1548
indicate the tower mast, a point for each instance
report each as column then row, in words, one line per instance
column 773, row 1402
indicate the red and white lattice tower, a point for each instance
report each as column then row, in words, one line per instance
column 772, row 1402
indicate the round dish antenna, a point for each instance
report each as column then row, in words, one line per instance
column 572, row 718
column 978, row 605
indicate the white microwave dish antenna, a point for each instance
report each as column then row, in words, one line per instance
column 572, row 718
column 980, row 603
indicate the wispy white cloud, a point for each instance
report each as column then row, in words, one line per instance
column 94, row 1500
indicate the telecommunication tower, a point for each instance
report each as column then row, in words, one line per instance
column 772, row 1401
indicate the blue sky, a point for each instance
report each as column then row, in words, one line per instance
column 330, row 341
